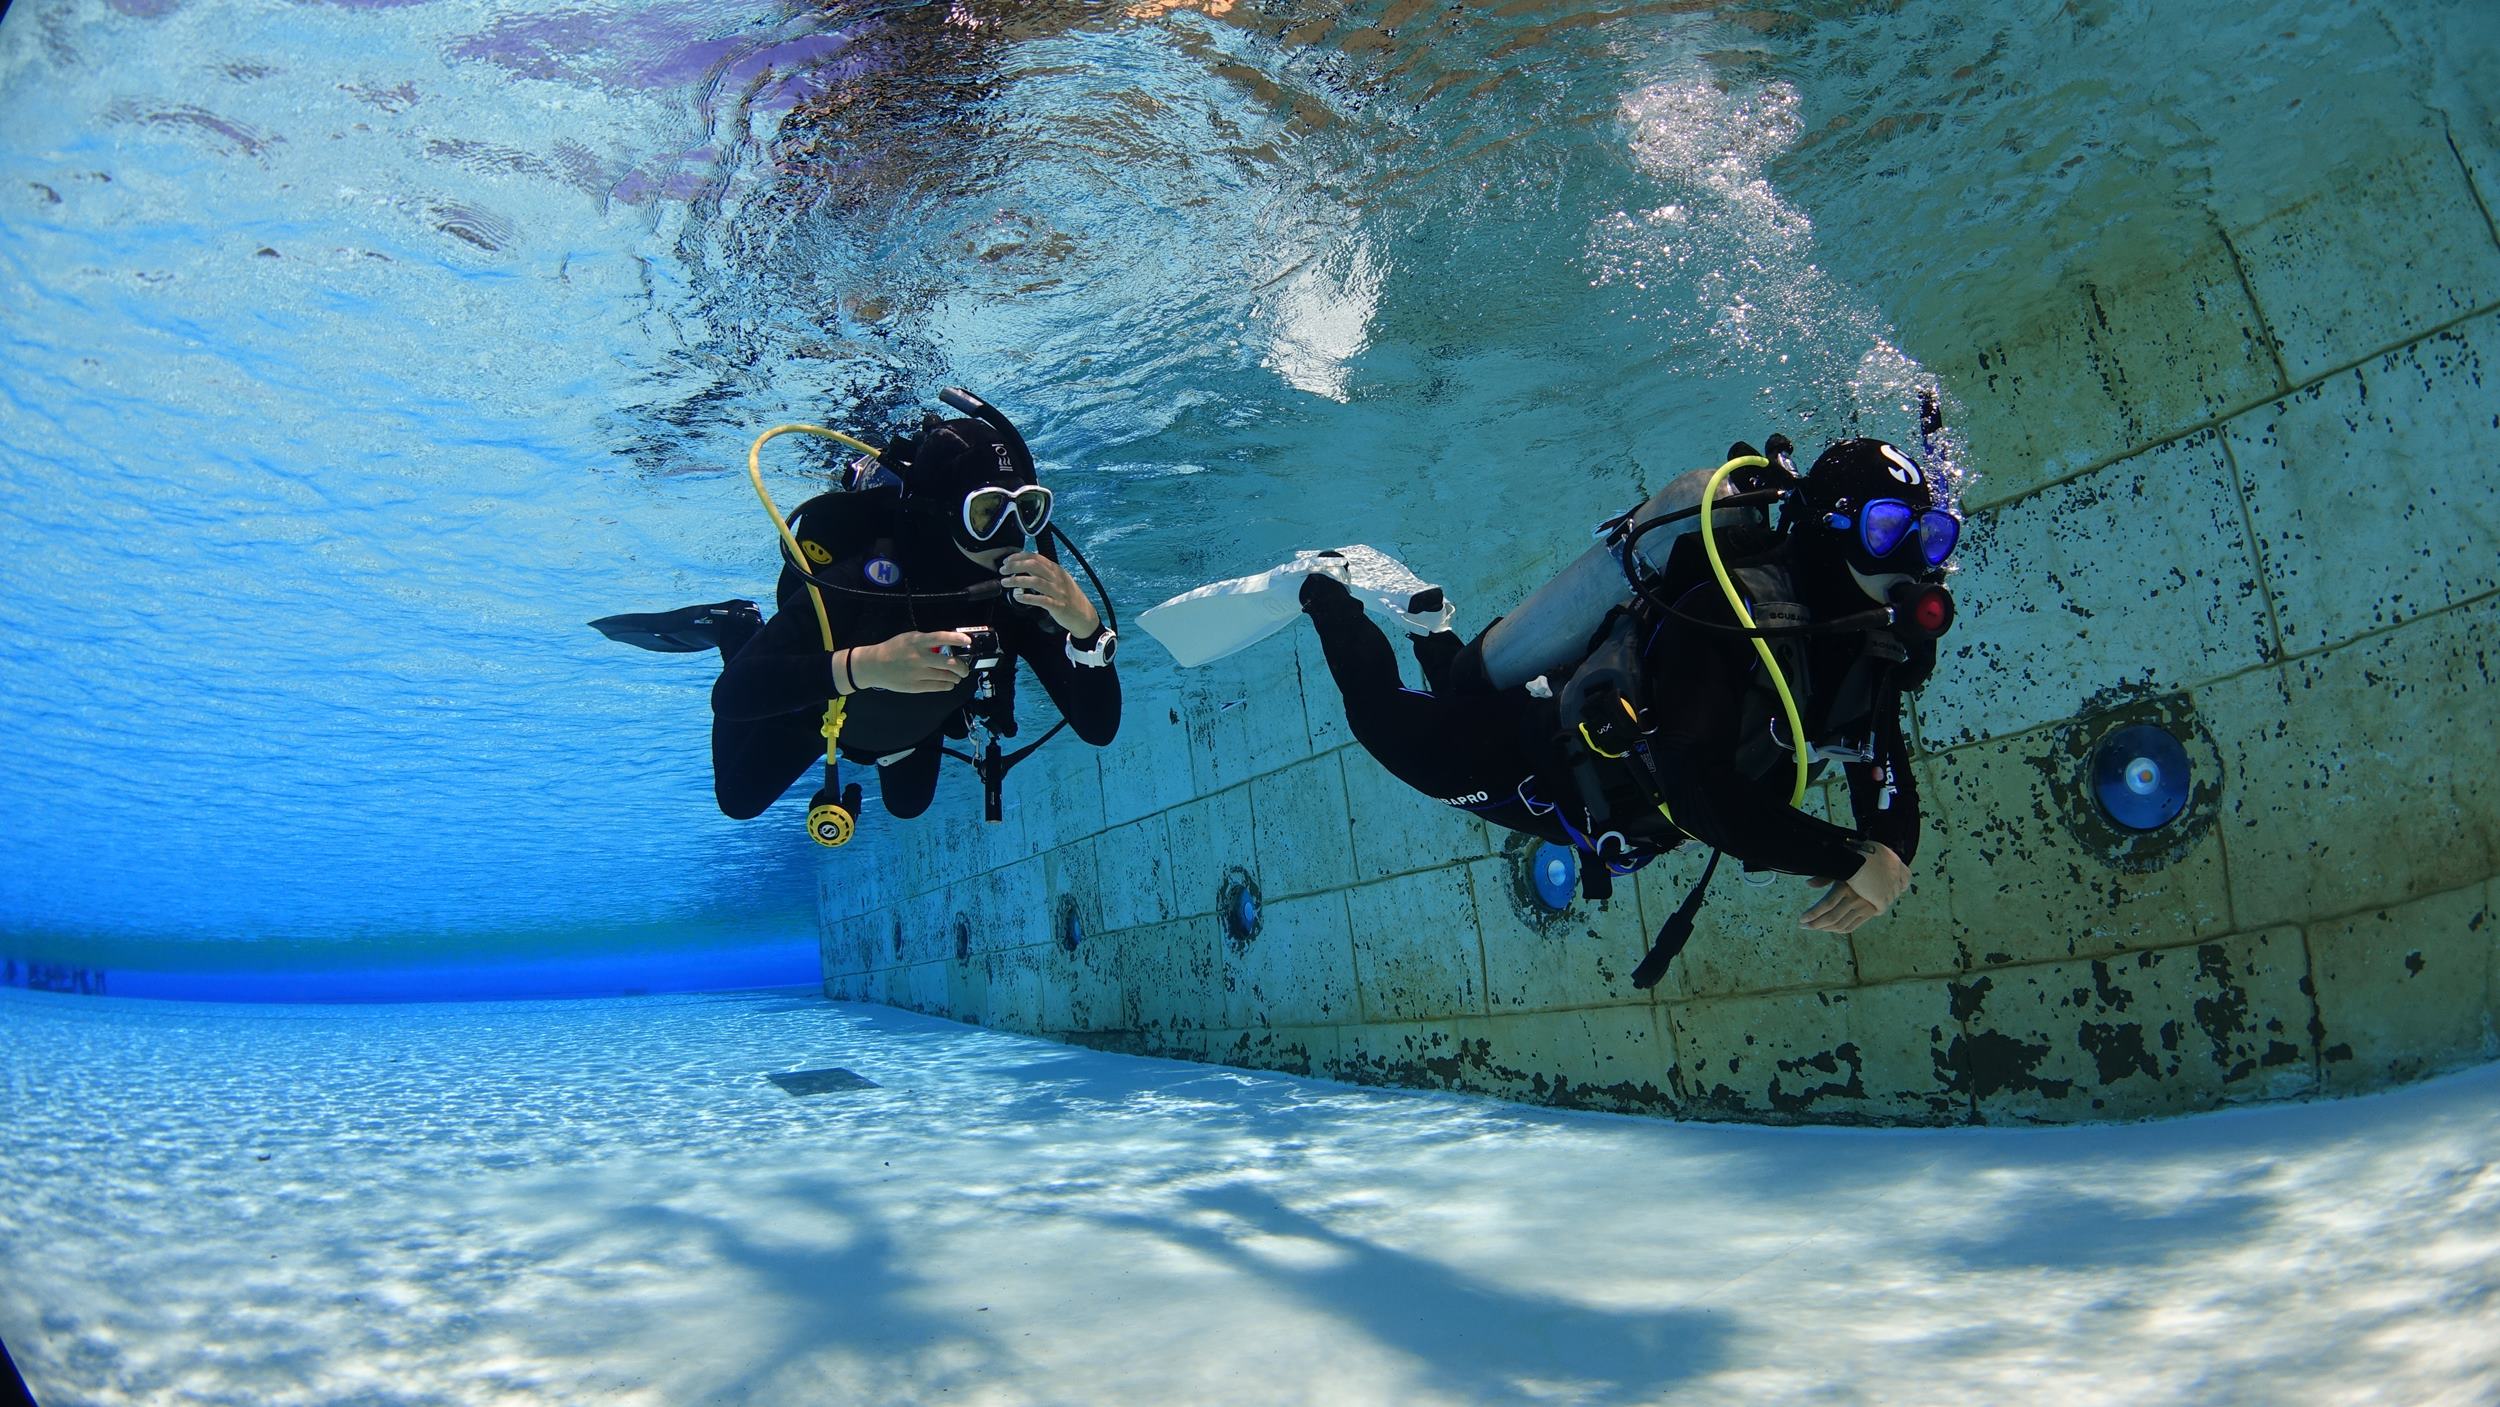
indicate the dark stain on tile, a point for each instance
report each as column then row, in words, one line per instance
column 1988, row 1063
column 1966, row 996
column 1438, row 1060
column 2223, row 1015
column 2118, row 1051
column 1819, row 1077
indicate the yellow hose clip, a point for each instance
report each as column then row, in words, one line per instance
column 833, row 816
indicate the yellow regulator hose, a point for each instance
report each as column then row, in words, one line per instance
column 789, row 539
column 1710, row 544
column 790, row 544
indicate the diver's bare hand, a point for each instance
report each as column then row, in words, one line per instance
column 1034, row 580
column 1876, row 886
column 914, row 662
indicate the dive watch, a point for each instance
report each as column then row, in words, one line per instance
column 1096, row 649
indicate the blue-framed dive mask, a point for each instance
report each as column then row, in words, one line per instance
column 1884, row 524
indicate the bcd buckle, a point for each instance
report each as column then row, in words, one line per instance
column 1612, row 726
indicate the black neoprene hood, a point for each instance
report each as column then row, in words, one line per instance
column 1844, row 479
column 945, row 461
column 954, row 457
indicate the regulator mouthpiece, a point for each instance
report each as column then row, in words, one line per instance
column 1921, row 610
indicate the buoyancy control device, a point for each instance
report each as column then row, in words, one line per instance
column 833, row 812
column 1607, row 702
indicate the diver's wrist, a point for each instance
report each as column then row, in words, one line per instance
column 1093, row 649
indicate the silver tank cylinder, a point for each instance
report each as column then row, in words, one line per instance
column 1551, row 629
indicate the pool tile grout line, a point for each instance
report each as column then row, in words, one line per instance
column 2265, row 325
column 1046, row 947
column 2447, row 130
column 2218, row 421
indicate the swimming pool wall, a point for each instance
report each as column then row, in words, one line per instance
column 2245, row 492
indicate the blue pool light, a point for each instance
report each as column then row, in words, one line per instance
column 1238, row 903
column 1555, row 869
column 2140, row 775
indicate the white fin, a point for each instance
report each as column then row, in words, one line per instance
column 1216, row 620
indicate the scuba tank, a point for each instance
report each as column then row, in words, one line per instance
column 1554, row 628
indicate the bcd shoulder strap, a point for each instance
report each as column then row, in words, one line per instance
column 1771, row 600
column 833, row 527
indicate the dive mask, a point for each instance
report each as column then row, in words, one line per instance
column 1884, row 524
column 989, row 509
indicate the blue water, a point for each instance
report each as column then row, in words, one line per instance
column 356, row 354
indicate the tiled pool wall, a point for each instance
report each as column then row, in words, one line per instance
column 2249, row 498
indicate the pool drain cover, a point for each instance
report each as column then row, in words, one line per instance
column 829, row 1080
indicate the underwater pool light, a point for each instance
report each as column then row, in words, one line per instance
column 2140, row 777
column 1555, row 872
column 1238, row 905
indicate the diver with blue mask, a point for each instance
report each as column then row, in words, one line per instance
column 1816, row 630
column 1673, row 681
column 907, row 598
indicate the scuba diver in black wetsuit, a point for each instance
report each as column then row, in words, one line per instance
column 1673, row 718
column 902, row 629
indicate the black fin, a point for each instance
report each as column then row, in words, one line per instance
column 1320, row 588
column 12, row 1387
column 680, row 632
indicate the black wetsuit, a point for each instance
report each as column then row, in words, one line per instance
column 769, row 704
column 1501, row 754
column 1487, row 754
column 1701, row 715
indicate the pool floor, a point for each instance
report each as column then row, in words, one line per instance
column 612, row 1202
